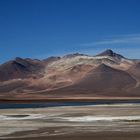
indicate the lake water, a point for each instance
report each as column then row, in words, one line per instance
column 55, row 104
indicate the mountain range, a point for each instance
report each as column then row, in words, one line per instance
column 104, row 75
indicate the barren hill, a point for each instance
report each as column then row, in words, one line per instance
column 107, row 74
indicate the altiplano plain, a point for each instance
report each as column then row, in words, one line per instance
column 68, row 122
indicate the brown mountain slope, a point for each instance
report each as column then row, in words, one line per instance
column 105, row 78
column 101, row 81
column 75, row 75
column 20, row 68
column 135, row 70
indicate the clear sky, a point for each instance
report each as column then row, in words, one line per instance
column 42, row 28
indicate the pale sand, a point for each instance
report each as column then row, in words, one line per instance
column 54, row 124
column 88, row 136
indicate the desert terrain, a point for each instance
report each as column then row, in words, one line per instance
column 108, row 121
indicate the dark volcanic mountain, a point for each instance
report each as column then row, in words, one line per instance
column 107, row 74
column 111, row 54
column 51, row 59
column 20, row 68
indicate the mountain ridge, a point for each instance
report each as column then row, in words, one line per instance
column 74, row 75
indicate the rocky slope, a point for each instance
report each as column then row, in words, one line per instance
column 107, row 74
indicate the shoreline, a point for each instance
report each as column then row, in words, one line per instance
column 117, row 99
column 55, row 123
column 85, row 136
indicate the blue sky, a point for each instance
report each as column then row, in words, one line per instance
column 42, row 28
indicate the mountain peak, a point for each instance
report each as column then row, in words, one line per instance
column 110, row 53
column 21, row 61
column 73, row 55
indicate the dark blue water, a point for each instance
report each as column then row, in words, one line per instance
column 55, row 104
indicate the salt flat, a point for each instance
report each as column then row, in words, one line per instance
column 69, row 120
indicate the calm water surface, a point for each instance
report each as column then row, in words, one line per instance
column 55, row 104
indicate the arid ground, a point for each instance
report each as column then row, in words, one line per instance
column 98, row 122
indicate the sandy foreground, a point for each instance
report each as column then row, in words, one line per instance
column 98, row 122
